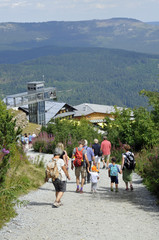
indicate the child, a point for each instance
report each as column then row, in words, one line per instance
column 94, row 179
column 113, row 174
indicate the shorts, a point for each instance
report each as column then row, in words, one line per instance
column 106, row 157
column 80, row 171
column 114, row 179
column 97, row 159
column 93, row 186
column 60, row 186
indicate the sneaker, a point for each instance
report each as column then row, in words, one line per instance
column 112, row 189
column 81, row 191
column 103, row 167
column 55, row 205
column 116, row 190
column 126, row 189
column 77, row 190
column 131, row 187
column 60, row 204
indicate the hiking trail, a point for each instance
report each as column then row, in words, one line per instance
column 104, row 215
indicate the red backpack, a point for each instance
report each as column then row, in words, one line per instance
column 78, row 162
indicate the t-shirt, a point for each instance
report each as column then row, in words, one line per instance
column 106, row 147
column 96, row 148
column 60, row 163
column 94, row 177
column 30, row 138
column 26, row 139
column 90, row 153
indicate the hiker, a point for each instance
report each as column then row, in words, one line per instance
column 30, row 140
column 105, row 148
column 79, row 160
column 59, row 180
column 90, row 156
column 64, row 155
column 26, row 142
column 94, row 178
column 113, row 174
column 127, row 173
column 97, row 153
column 33, row 135
column 22, row 140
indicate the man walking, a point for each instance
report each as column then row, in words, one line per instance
column 80, row 159
column 106, row 148
column 97, row 153
column 90, row 156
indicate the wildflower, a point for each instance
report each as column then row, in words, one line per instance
column 5, row 151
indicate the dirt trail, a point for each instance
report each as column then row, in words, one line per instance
column 87, row 216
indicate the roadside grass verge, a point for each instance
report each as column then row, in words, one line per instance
column 22, row 177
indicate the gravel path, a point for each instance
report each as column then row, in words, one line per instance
column 104, row 215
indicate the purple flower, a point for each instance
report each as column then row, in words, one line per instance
column 5, row 151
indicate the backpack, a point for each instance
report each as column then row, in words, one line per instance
column 78, row 162
column 129, row 162
column 113, row 170
column 52, row 170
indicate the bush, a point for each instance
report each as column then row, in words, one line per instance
column 147, row 165
column 68, row 132
column 44, row 143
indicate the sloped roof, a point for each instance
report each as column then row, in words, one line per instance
column 51, row 110
column 88, row 108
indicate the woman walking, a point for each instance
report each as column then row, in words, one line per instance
column 126, row 170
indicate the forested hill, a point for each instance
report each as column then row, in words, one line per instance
column 94, row 75
column 119, row 33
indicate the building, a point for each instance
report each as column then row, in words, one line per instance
column 54, row 110
column 59, row 110
column 33, row 100
column 95, row 113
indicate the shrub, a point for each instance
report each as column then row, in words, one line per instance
column 69, row 133
column 147, row 165
column 44, row 143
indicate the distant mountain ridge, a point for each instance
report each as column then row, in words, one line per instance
column 118, row 33
column 101, row 61
column 93, row 75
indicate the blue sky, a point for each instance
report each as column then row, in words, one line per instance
column 75, row 10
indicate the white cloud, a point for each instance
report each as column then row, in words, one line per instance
column 47, row 10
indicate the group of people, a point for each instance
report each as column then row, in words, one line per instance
column 86, row 161
column 26, row 140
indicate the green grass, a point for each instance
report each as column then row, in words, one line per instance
column 21, row 178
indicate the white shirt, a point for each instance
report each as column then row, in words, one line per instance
column 94, row 177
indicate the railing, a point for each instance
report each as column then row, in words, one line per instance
column 26, row 98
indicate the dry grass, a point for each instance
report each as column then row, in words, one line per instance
column 32, row 127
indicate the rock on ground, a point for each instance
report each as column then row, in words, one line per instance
column 103, row 215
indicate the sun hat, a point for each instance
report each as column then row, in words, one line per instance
column 94, row 169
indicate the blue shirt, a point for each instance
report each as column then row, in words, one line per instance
column 90, row 153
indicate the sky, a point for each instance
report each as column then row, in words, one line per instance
column 77, row 10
